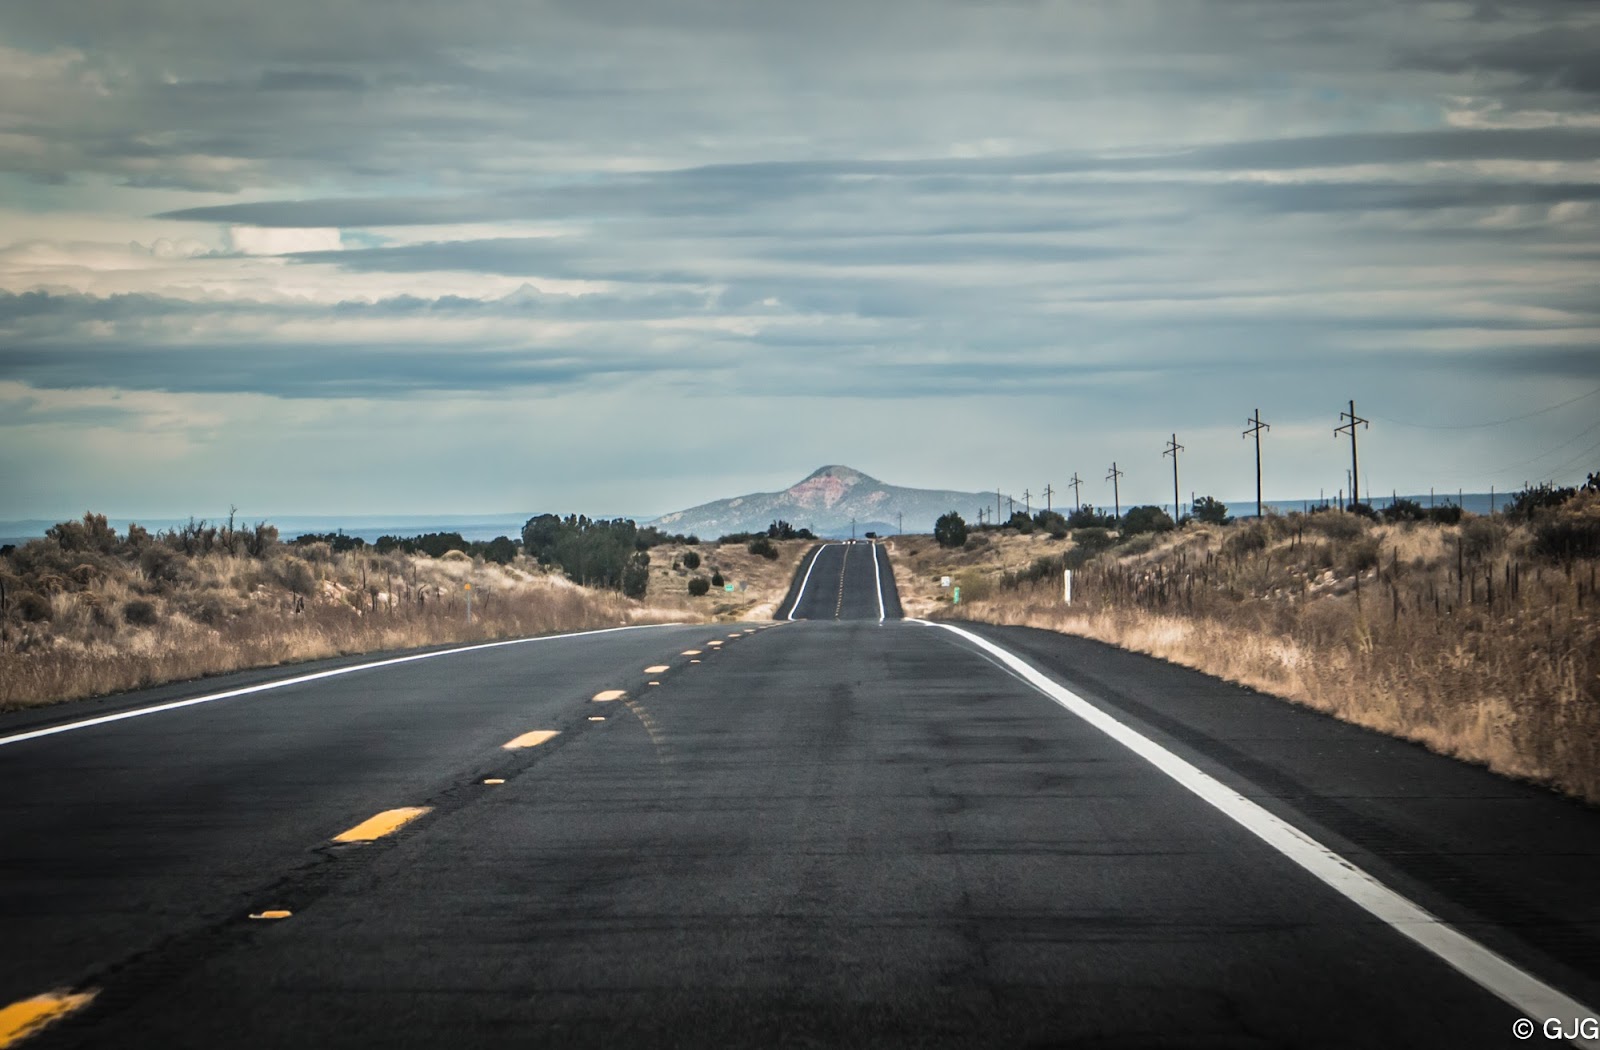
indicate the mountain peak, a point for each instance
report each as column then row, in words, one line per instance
column 848, row 475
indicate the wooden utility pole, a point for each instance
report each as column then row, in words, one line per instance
column 997, row 506
column 1116, row 492
column 1173, row 448
column 1256, row 427
column 1076, row 483
column 1355, row 473
column 1027, row 502
column 1048, row 492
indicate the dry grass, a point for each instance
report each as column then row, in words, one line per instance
column 87, row 622
column 1459, row 637
column 977, row 569
column 766, row 580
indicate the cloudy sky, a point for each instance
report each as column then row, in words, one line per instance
column 627, row 256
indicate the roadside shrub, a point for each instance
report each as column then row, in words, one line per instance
column 1572, row 533
column 762, row 546
column 1357, row 556
column 33, row 607
column 140, row 613
column 160, row 563
column 717, row 581
column 294, row 574
column 1087, row 517
column 975, row 586
column 1445, row 514
column 1362, row 510
column 1087, row 544
column 950, row 530
column 1145, row 519
column 1211, row 511
column 1248, row 540
column 1525, row 504
column 636, row 577
column 1021, row 522
column 1337, row 527
column 1052, row 522
column 1143, row 543
column 698, row 586
column 1404, row 510
column 691, row 560
column 1481, row 537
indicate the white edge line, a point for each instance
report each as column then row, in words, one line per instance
column 67, row 727
column 1488, row 969
column 877, row 578
column 807, row 579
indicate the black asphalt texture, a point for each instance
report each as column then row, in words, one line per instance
column 843, row 581
column 826, row 832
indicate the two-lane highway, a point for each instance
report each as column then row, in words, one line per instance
column 831, row 831
column 843, row 581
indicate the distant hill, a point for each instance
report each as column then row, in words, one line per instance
column 824, row 502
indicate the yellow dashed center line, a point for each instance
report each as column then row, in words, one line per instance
column 657, row 669
column 272, row 913
column 385, row 823
column 690, row 652
column 610, row 694
column 597, row 718
column 737, row 634
column 494, row 780
column 25, row 1017
column 533, row 739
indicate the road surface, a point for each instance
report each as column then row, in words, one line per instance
column 834, row 830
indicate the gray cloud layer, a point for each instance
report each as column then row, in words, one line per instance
column 1129, row 207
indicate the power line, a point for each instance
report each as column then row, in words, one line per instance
column 1580, row 435
column 1575, row 460
column 1491, row 423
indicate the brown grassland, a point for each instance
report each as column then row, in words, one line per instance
column 1479, row 640
column 87, row 612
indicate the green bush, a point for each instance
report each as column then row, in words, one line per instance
column 1525, row 504
column 1573, row 532
column 1051, row 522
column 1210, row 510
column 1145, row 519
column 717, row 581
column 763, row 547
column 691, row 560
column 1445, row 514
column 1086, row 517
column 1404, row 510
column 1021, row 522
column 698, row 586
column 636, row 577
column 950, row 530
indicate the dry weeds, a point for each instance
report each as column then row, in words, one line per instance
column 1458, row 637
column 85, row 623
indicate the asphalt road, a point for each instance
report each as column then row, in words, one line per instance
column 843, row 581
column 825, row 832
